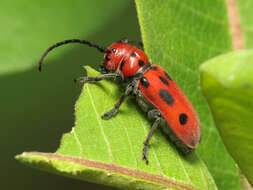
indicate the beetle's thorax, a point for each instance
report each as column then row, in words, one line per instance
column 124, row 59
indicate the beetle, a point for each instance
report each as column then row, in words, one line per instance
column 155, row 92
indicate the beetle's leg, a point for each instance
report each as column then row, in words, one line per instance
column 151, row 114
column 115, row 109
column 127, row 41
column 98, row 78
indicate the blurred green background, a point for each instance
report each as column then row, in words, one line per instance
column 37, row 108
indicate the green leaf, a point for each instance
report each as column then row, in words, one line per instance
column 180, row 35
column 227, row 83
column 32, row 26
column 109, row 151
column 245, row 11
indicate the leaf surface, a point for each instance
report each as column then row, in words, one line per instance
column 246, row 22
column 109, row 151
column 227, row 83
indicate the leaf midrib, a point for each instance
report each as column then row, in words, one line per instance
column 113, row 168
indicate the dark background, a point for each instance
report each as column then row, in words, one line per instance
column 37, row 108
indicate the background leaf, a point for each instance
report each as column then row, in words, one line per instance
column 245, row 11
column 227, row 83
column 180, row 35
column 37, row 108
column 118, row 143
column 27, row 24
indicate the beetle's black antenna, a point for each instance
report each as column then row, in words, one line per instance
column 101, row 49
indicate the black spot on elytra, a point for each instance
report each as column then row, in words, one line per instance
column 153, row 68
column 164, row 81
column 122, row 64
column 114, row 50
column 183, row 118
column 166, row 97
column 141, row 63
column 144, row 82
column 107, row 58
column 167, row 75
column 133, row 54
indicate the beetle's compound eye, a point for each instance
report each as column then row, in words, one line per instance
column 107, row 58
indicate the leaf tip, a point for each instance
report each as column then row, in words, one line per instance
column 90, row 71
column 24, row 158
column 20, row 157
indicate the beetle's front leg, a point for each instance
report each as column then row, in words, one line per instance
column 98, row 78
column 115, row 109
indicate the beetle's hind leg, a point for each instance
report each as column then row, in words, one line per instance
column 152, row 114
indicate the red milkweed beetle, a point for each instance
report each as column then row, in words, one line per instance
column 155, row 91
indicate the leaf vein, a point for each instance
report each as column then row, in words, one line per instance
column 100, row 124
column 203, row 177
column 78, row 142
column 199, row 13
column 182, row 165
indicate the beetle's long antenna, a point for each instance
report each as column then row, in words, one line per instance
column 101, row 49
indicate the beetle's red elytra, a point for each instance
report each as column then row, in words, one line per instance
column 155, row 91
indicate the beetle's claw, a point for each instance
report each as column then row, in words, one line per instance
column 144, row 154
column 109, row 114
